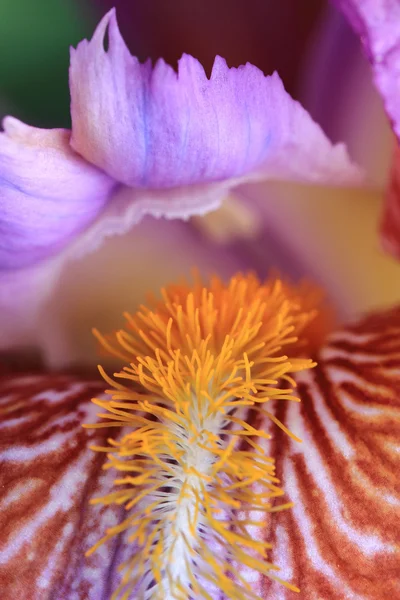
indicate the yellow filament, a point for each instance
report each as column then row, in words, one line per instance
column 200, row 362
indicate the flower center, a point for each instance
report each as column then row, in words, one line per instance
column 201, row 366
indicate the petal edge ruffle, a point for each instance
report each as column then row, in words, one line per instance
column 156, row 128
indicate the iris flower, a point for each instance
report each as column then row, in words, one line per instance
column 144, row 141
column 197, row 434
column 206, row 393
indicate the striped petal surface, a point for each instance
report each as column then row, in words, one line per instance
column 341, row 539
column 47, row 476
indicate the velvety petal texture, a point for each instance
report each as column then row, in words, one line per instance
column 48, row 194
column 339, row 541
column 152, row 127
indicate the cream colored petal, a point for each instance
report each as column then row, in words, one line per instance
column 335, row 232
column 94, row 291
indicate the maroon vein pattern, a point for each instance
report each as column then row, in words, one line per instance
column 47, row 475
column 341, row 540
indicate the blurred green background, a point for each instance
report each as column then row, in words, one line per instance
column 35, row 36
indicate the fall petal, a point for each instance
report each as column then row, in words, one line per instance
column 47, row 479
column 179, row 354
column 155, row 128
column 341, row 538
column 48, row 194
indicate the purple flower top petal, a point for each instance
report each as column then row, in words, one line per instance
column 48, row 193
column 377, row 22
column 156, row 128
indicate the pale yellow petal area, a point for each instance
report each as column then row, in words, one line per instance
column 95, row 290
column 234, row 219
column 335, row 232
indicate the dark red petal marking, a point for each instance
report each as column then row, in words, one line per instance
column 342, row 538
column 47, row 476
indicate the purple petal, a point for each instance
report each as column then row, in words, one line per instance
column 48, row 194
column 22, row 295
column 347, row 104
column 155, row 128
column 377, row 24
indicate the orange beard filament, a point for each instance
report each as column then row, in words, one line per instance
column 195, row 478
